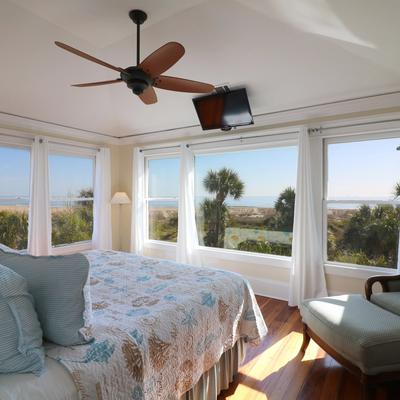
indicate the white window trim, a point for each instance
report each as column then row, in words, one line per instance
column 335, row 267
column 70, row 151
column 71, row 248
column 226, row 254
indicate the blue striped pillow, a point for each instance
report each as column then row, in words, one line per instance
column 58, row 286
column 21, row 348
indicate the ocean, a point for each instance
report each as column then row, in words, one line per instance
column 23, row 201
column 246, row 201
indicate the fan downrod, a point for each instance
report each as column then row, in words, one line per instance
column 137, row 16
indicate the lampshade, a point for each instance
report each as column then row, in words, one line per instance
column 120, row 198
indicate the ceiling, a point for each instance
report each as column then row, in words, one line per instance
column 288, row 53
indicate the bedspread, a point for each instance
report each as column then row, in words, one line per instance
column 158, row 326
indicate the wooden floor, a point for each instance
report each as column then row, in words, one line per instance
column 275, row 369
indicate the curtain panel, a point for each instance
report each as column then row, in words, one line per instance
column 138, row 203
column 187, row 252
column 307, row 277
column 102, row 234
column 39, row 223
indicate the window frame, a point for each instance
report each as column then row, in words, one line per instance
column 147, row 199
column 336, row 267
column 279, row 139
column 20, row 144
column 80, row 152
column 273, row 141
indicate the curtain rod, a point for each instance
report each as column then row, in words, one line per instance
column 220, row 141
column 16, row 136
column 320, row 129
column 51, row 141
column 242, row 138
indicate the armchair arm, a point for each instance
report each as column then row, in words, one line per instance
column 383, row 280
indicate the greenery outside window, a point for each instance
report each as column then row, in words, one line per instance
column 362, row 204
column 162, row 198
column 71, row 198
column 244, row 199
column 14, row 196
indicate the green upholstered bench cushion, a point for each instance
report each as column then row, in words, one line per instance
column 363, row 333
column 388, row 301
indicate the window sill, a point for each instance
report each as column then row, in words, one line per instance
column 227, row 254
column 356, row 271
column 71, row 248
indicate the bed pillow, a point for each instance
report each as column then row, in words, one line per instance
column 21, row 348
column 58, row 286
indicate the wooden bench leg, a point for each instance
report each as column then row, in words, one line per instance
column 368, row 389
column 306, row 339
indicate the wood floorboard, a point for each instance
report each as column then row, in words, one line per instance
column 275, row 370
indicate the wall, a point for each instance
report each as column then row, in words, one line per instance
column 121, row 157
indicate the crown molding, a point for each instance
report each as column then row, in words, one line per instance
column 362, row 107
column 369, row 107
column 31, row 127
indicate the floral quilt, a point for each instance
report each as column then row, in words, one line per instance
column 158, row 326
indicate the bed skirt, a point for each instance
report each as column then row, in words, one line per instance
column 218, row 378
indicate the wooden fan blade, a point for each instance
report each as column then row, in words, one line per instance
column 182, row 85
column 97, row 83
column 87, row 56
column 149, row 96
column 162, row 59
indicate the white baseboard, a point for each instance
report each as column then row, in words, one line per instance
column 269, row 288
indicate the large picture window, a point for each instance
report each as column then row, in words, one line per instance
column 71, row 198
column 362, row 202
column 162, row 198
column 245, row 199
column 14, row 196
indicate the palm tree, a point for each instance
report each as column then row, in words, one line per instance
column 284, row 207
column 223, row 183
column 397, row 190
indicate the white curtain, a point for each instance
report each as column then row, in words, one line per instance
column 187, row 251
column 102, row 234
column 39, row 226
column 307, row 278
column 138, row 206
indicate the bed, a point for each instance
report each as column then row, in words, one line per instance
column 162, row 330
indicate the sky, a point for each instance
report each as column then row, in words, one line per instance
column 364, row 169
column 68, row 175
column 264, row 172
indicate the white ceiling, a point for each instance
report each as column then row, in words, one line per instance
column 288, row 53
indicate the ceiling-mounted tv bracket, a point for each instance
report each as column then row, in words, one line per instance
column 222, row 89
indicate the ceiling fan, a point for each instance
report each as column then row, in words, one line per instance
column 146, row 75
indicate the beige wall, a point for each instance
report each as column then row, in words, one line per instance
column 121, row 181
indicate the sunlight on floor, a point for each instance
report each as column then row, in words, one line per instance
column 260, row 369
column 281, row 353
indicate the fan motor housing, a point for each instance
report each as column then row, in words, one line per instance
column 136, row 79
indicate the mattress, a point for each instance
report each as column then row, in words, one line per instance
column 54, row 384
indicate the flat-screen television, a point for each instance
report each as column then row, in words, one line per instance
column 224, row 110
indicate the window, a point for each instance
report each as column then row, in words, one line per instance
column 362, row 202
column 245, row 199
column 71, row 198
column 162, row 198
column 14, row 196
